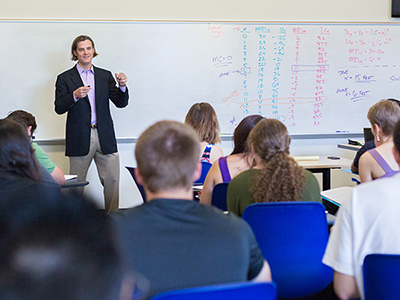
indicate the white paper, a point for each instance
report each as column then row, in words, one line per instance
column 70, row 177
column 338, row 195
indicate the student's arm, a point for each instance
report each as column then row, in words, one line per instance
column 58, row 175
column 353, row 168
column 365, row 167
column 356, row 162
column 44, row 159
column 312, row 191
column 213, row 177
column 345, row 286
column 265, row 274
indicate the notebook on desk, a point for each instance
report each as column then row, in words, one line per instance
column 333, row 198
column 70, row 177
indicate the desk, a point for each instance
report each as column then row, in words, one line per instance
column 324, row 165
column 197, row 187
column 349, row 147
column 74, row 183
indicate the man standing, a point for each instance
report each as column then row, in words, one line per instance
column 176, row 242
column 84, row 92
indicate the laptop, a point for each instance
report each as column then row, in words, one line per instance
column 368, row 136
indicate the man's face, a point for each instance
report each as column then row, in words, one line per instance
column 84, row 52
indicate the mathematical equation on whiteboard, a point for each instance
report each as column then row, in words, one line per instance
column 298, row 73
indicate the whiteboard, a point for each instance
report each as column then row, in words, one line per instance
column 315, row 78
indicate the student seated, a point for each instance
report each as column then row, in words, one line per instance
column 275, row 176
column 365, row 224
column 172, row 240
column 58, row 247
column 203, row 119
column 19, row 168
column 28, row 121
column 228, row 167
column 379, row 162
column 367, row 146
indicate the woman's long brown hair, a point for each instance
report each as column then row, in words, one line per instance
column 281, row 179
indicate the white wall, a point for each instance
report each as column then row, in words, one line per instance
column 205, row 10
column 201, row 10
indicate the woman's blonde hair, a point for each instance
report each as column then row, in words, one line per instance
column 281, row 179
column 385, row 114
column 203, row 119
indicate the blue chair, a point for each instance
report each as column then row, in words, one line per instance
column 139, row 186
column 205, row 167
column 218, row 197
column 231, row 291
column 381, row 276
column 292, row 237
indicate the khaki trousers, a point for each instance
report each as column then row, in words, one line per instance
column 107, row 168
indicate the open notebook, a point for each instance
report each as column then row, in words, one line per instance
column 333, row 198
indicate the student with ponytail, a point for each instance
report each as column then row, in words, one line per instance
column 276, row 176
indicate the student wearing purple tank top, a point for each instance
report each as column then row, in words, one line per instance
column 227, row 167
column 389, row 172
column 380, row 162
column 223, row 167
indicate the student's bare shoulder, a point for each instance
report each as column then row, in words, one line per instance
column 366, row 158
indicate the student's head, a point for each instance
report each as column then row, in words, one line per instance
column 167, row 154
column 203, row 119
column 74, row 46
column 385, row 114
column 269, row 137
column 25, row 119
column 57, row 247
column 242, row 132
column 280, row 178
column 17, row 156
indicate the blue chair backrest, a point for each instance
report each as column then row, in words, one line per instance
column 218, row 197
column 232, row 291
column 292, row 237
column 381, row 276
column 139, row 186
column 205, row 167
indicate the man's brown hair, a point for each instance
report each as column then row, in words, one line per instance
column 75, row 43
column 25, row 118
column 167, row 154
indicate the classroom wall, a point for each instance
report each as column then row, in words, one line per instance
column 205, row 10
column 201, row 10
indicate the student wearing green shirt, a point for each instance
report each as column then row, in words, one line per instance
column 28, row 121
column 276, row 176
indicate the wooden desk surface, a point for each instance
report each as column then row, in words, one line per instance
column 324, row 162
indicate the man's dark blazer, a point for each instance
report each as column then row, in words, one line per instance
column 77, row 137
